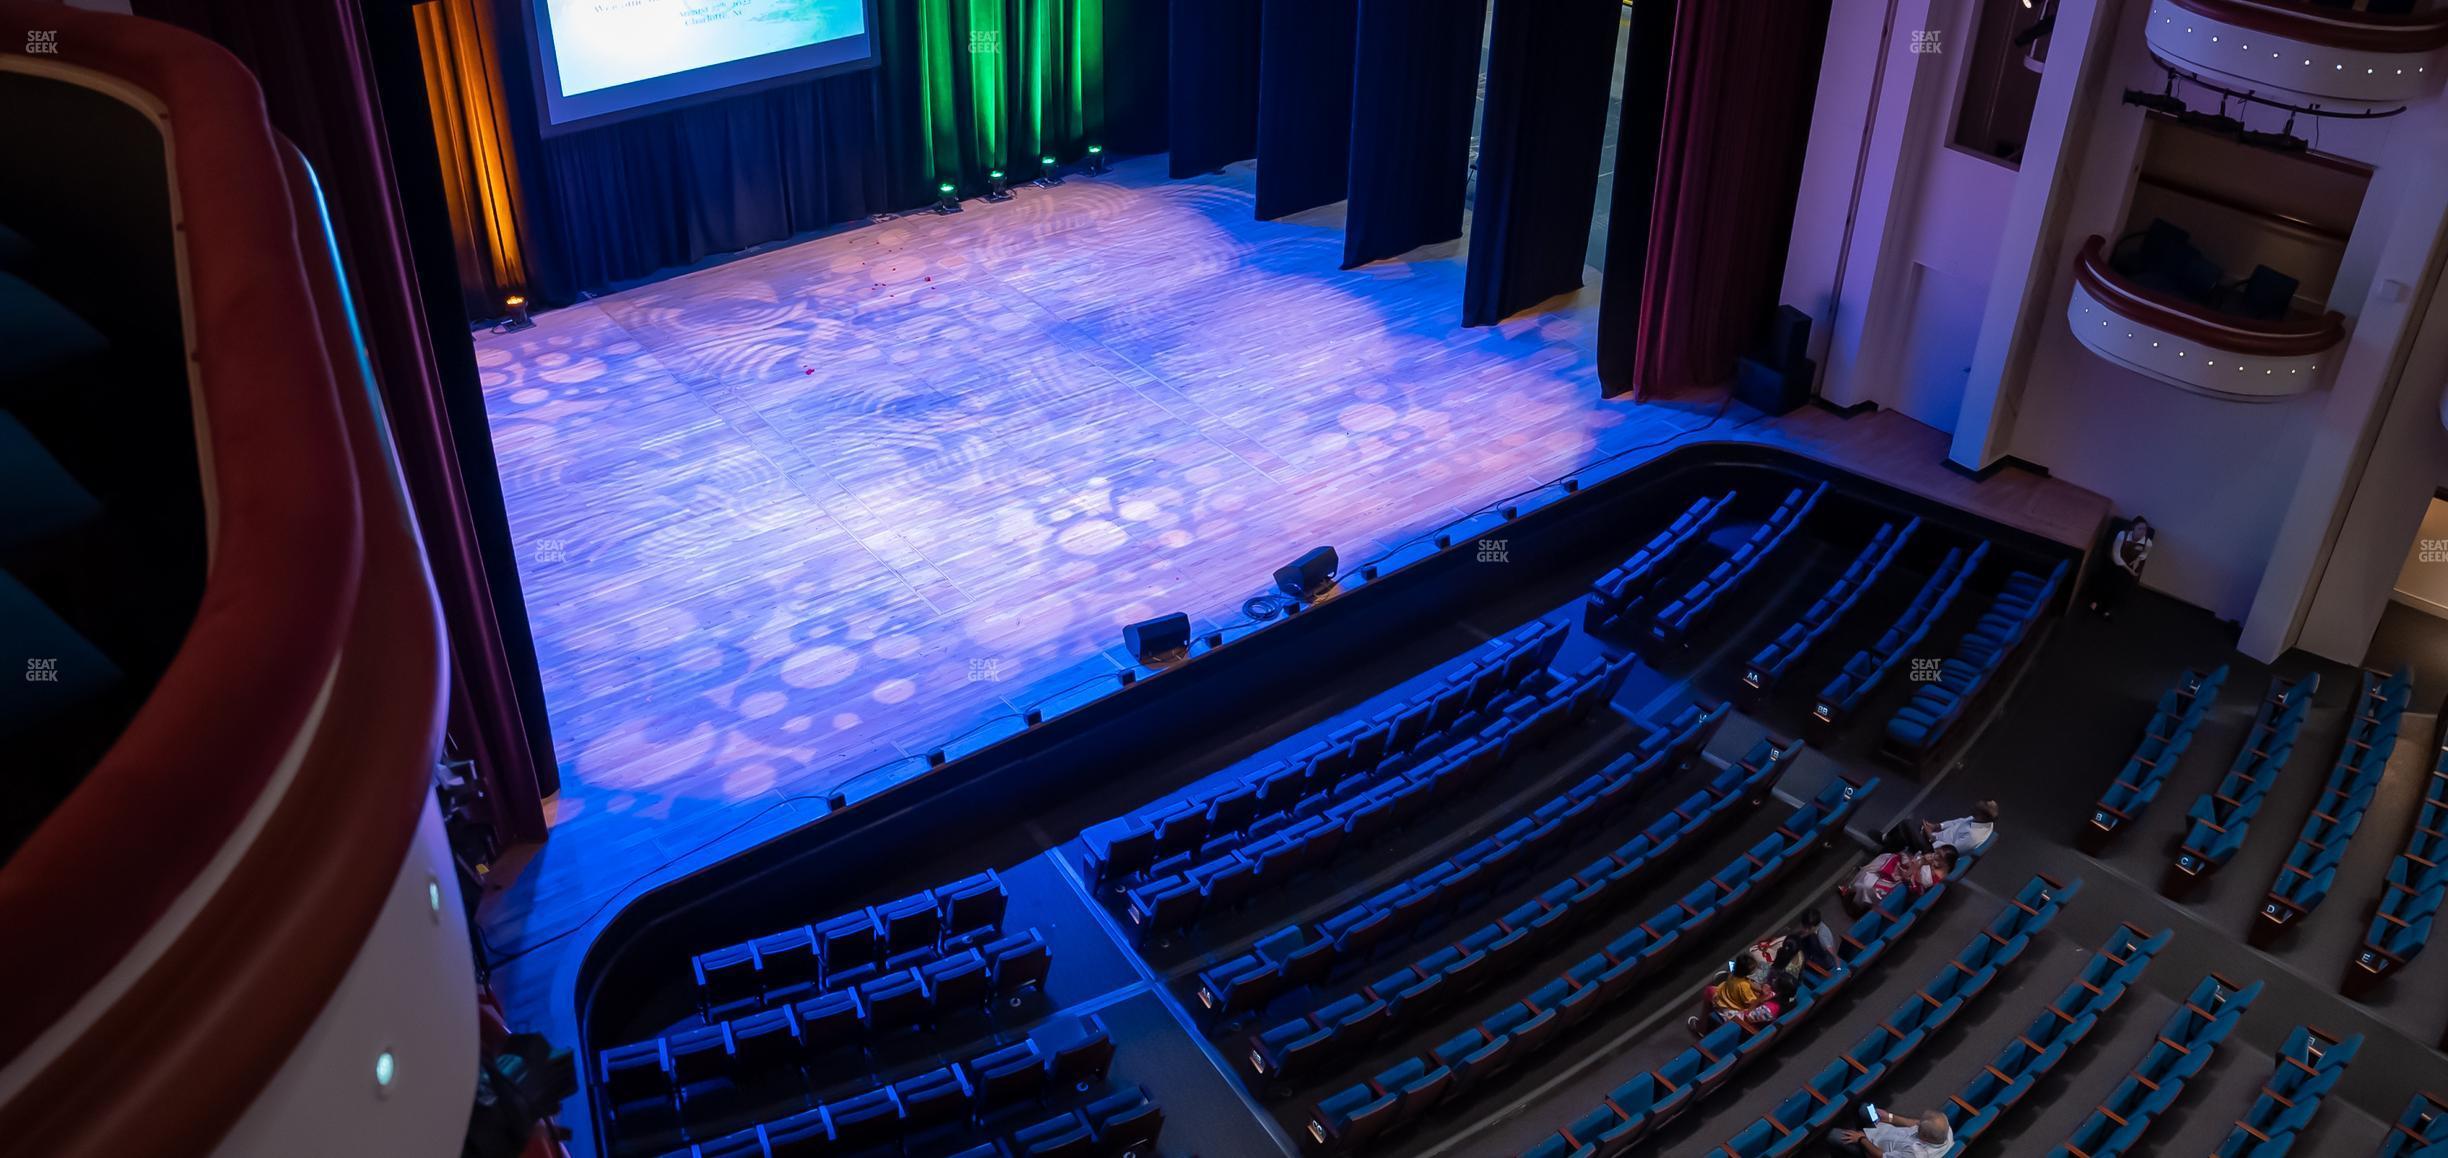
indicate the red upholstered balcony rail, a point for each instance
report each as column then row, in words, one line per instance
column 292, row 737
column 2345, row 28
column 2291, row 336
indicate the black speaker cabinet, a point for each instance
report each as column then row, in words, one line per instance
column 1311, row 575
column 1155, row 638
column 1770, row 390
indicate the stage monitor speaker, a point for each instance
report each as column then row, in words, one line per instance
column 1311, row 575
column 1157, row 638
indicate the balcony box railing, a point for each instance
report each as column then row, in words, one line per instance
column 2331, row 56
column 2192, row 346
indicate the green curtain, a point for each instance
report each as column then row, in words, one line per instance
column 994, row 84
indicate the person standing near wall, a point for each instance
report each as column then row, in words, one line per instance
column 2128, row 552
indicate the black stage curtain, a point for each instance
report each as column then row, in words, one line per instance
column 1304, row 104
column 1551, row 66
column 617, row 203
column 1136, row 35
column 1415, row 87
column 1646, row 63
column 1214, row 84
column 623, row 201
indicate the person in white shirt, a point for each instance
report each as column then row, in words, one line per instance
column 1895, row 1136
column 2128, row 553
column 1966, row 833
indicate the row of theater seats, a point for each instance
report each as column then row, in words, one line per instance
column 2183, row 1046
column 2219, row 820
column 1678, row 619
column 1161, row 841
column 912, row 932
column 1924, row 720
column 1123, row 1125
column 1293, row 957
column 1633, row 1110
column 706, row 1063
column 2416, row 884
column 1402, row 1091
column 1770, row 663
column 2309, row 1066
column 2311, row 867
column 1348, row 816
column 2021, row 1063
column 1617, row 596
column 2421, row 1130
column 936, row 1107
column 1846, row 1081
column 1870, row 667
column 2165, row 739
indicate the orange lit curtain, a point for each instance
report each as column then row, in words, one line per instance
column 472, row 132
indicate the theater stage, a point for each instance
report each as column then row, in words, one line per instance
column 784, row 522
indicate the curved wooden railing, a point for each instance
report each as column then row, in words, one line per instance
column 179, row 922
column 2292, row 336
column 2342, row 28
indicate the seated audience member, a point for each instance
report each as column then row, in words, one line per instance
column 1741, row 1000
column 1964, row 832
column 1895, row 1136
column 1916, row 872
column 1808, row 941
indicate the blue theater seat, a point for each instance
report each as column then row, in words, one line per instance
column 1869, row 668
column 1772, row 661
column 2165, row 739
column 2308, row 1067
column 1617, row 597
column 1523, row 1028
column 2311, row 867
column 2412, row 891
column 1855, row 1074
column 1924, row 721
column 2182, row 1048
column 2420, row 1131
column 1678, row 619
column 2218, row 823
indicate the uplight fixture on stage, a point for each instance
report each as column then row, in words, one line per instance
column 998, row 187
column 1049, row 172
column 517, row 305
column 1096, row 160
column 947, row 199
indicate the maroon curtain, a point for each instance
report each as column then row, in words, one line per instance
column 1737, row 119
column 311, row 58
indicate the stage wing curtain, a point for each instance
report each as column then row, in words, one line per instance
column 1415, row 88
column 1214, row 84
column 313, row 60
column 1137, row 35
column 1551, row 66
column 1738, row 105
column 1647, row 63
column 1304, row 104
column 455, row 39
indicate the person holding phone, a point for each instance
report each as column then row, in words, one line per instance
column 1892, row 1135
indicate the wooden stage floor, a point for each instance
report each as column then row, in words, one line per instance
column 792, row 518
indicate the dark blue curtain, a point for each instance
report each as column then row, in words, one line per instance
column 1551, row 65
column 1646, row 62
column 1304, row 104
column 1214, row 84
column 1136, row 74
column 623, row 201
column 1415, row 87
